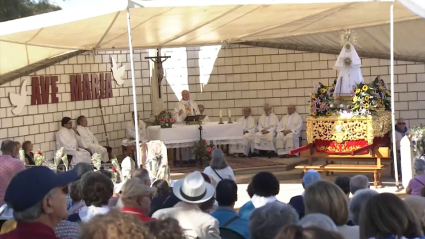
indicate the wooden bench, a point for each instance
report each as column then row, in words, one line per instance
column 375, row 169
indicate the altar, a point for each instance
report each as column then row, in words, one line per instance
column 183, row 136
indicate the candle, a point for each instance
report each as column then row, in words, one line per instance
column 221, row 115
column 229, row 113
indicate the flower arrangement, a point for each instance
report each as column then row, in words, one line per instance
column 381, row 94
column 38, row 158
column 418, row 142
column 116, row 169
column 203, row 150
column 97, row 162
column 165, row 119
column 22, row 156
column 59, row 155
column 363, row 100
column 320, row 102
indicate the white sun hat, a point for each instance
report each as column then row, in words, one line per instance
column 193, row 189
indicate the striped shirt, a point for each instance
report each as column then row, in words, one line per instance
column 9, row 166
column 67, row 230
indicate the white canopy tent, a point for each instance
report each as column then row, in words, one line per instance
column 163, row 24
column 156, row 24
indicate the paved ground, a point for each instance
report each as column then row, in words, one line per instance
column 290, row 180
column 290, row 184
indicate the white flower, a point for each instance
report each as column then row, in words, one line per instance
column 331, row 105
column 341, row 105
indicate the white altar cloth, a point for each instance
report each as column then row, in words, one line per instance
column 181, row 135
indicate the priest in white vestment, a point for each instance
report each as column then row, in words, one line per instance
column 71, row 141
column 348, row 64
column 130, row 132
column 185, row 107
column 266, row 130
column 288, row 132
column 88, row 138
column 201, row 112
column 249, row 127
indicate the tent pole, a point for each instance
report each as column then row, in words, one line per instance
column 133, row 84
column 392, row 95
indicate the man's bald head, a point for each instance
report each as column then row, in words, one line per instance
column 186, row 95
column 267, row 108
column 291, row 109
column 246, row 111
column 8, row 147
column 143, row 174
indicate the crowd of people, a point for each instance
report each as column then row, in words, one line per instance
column 85, row 203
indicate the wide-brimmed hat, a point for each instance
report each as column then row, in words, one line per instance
column 193, row 189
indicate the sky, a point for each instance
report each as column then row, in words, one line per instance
column 67, row 4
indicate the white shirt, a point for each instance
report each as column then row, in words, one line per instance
column 225, row 173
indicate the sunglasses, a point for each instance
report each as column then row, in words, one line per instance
column 402, row 123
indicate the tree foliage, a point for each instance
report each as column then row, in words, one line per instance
column 14, row 9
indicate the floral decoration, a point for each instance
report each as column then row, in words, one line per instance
column 202, row 150
column 418, row 141
column 22, row 156
column 165, row 119
column 38, row 158
column 381, row 94
column 97, row 162
column 321, row 99
column 364, row 100
column 60, row 153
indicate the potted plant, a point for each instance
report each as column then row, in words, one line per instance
column 165, row 119
column 202, row 150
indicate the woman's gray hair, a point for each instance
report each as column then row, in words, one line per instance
column 217, row 160
column 318, row 220
column 31, row 214
column 360, row 198
column 419, row 166
column 265, row 222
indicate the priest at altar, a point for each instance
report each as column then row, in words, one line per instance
column 69, row 138
column 88, row 138
column 185, row 107
column 264, row 138
column 201, row 112
column 249, row 126
column 130, row 131
column 288, row 132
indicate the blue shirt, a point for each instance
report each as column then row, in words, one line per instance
column 240, row 225
column 246, row 210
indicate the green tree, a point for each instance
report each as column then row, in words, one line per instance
column 14, row 9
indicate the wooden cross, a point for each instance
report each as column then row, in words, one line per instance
column 160, row 70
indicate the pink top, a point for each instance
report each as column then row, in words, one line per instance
column 9, row 166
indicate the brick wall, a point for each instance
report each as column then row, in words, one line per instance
column 228, row 78
column 251, row 76
column 39, row 123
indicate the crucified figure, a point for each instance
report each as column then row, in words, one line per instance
column 159, row 68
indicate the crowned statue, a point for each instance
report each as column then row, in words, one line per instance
column 348, row 64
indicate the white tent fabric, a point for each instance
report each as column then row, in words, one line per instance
column 416, row 6
column 163, row 24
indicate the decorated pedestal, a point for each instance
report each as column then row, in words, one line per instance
column 343, row 135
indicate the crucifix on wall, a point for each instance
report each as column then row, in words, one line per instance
column 158, row 60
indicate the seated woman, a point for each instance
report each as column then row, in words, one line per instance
column 96, row 190
column 387, row 216
column 418, row 183
column 29, row 155
column 90, row 140
column 219, row 169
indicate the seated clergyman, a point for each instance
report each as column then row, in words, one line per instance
column 130, row 132
column 288, row 132
column 264, row 138
column 249, row 127
column 201, row 112
column 69, row 138
column 90, row 140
